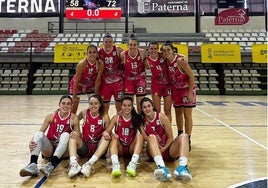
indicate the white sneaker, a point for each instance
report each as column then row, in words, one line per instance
column 131, row 169
column 30, row 170
column 116, row 170
column 47, row 169
column 162, row 173
column 74, row 169
column 86, row 168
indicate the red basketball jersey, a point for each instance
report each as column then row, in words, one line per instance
column 58, row 126
column 134, row 67
column 155, row 127
column 88, row 78
column 159, row 70
column 92, row 128
column 177, row 78
column 113, row 71
column 125, row 131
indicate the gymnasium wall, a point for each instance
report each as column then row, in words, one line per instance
column 152, row 24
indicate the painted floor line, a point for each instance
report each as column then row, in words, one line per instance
column 228, row 126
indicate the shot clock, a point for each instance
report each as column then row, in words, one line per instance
column 93, row 9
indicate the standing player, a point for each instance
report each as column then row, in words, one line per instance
column 183, row 89
column 134, row 66
column 53, row 145
column 112, row 77
column 87, row 78
column 126, row 140
column 160, row 86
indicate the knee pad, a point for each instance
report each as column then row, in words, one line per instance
column 38, row 136
column 64, row 137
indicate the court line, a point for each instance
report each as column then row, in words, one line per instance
column 249, row 182
column 228, row 126
column 44, row 178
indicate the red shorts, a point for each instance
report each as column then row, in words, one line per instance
column 87, row 150
column 81, row 89
column 115, row 89
column 137, row 87
column 125, row 151
column 160, row 90
column 179, row 97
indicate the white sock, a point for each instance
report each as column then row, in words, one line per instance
column 158, row 159
column 73, row 159
column 183, row 161
column 63, row 144
column 114, row 159
column 135, row 158
column 93, row 159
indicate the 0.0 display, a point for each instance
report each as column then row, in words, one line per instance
column 93, row 9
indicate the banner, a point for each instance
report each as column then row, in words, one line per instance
column 259, row 53
column 29, row 8
column 232, row 16
column 124, row 46
column 160, row 8
column 69, row 53
column 181, row 49
column 220, row 53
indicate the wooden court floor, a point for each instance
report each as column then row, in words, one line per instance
column 229, row 145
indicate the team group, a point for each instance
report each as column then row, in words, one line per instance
column 114, row 72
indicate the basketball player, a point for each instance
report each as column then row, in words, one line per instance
column 134, row 66
column 160, row 85
column 126, row 141
column 183, row 89
column 161, row 145
column 91, row 144
column 87, row 78
column 54, row 144
column 112, row 78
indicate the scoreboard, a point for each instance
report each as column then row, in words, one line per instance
column 93, row 9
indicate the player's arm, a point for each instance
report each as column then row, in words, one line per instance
column 107, row 133
column 100, row 65
column 122, row 57
column 76, row 124
column 143, row 133
column 78, row 76
column 184, row 65
column 106, row 119
column 119, row 50
column 47, row 121
column 144, row 57
column 81, row 114
column 166, row 123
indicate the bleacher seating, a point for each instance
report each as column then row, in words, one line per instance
column 209, row 78
column 13, row 80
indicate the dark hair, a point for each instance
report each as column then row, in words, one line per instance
column 153, row 42
column 133, row 37
column 92, row 46
column 66, row 96
column 101, row 109
column 168, row 43
column 107, row 35
column 136, row 119
column 146, row 99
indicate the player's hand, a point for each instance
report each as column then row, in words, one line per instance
column 106, row 135
column 32, row 145
column 74, row 135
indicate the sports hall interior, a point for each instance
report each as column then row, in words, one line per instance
column 230, row 120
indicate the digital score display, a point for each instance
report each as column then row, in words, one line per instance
column 93, row 9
